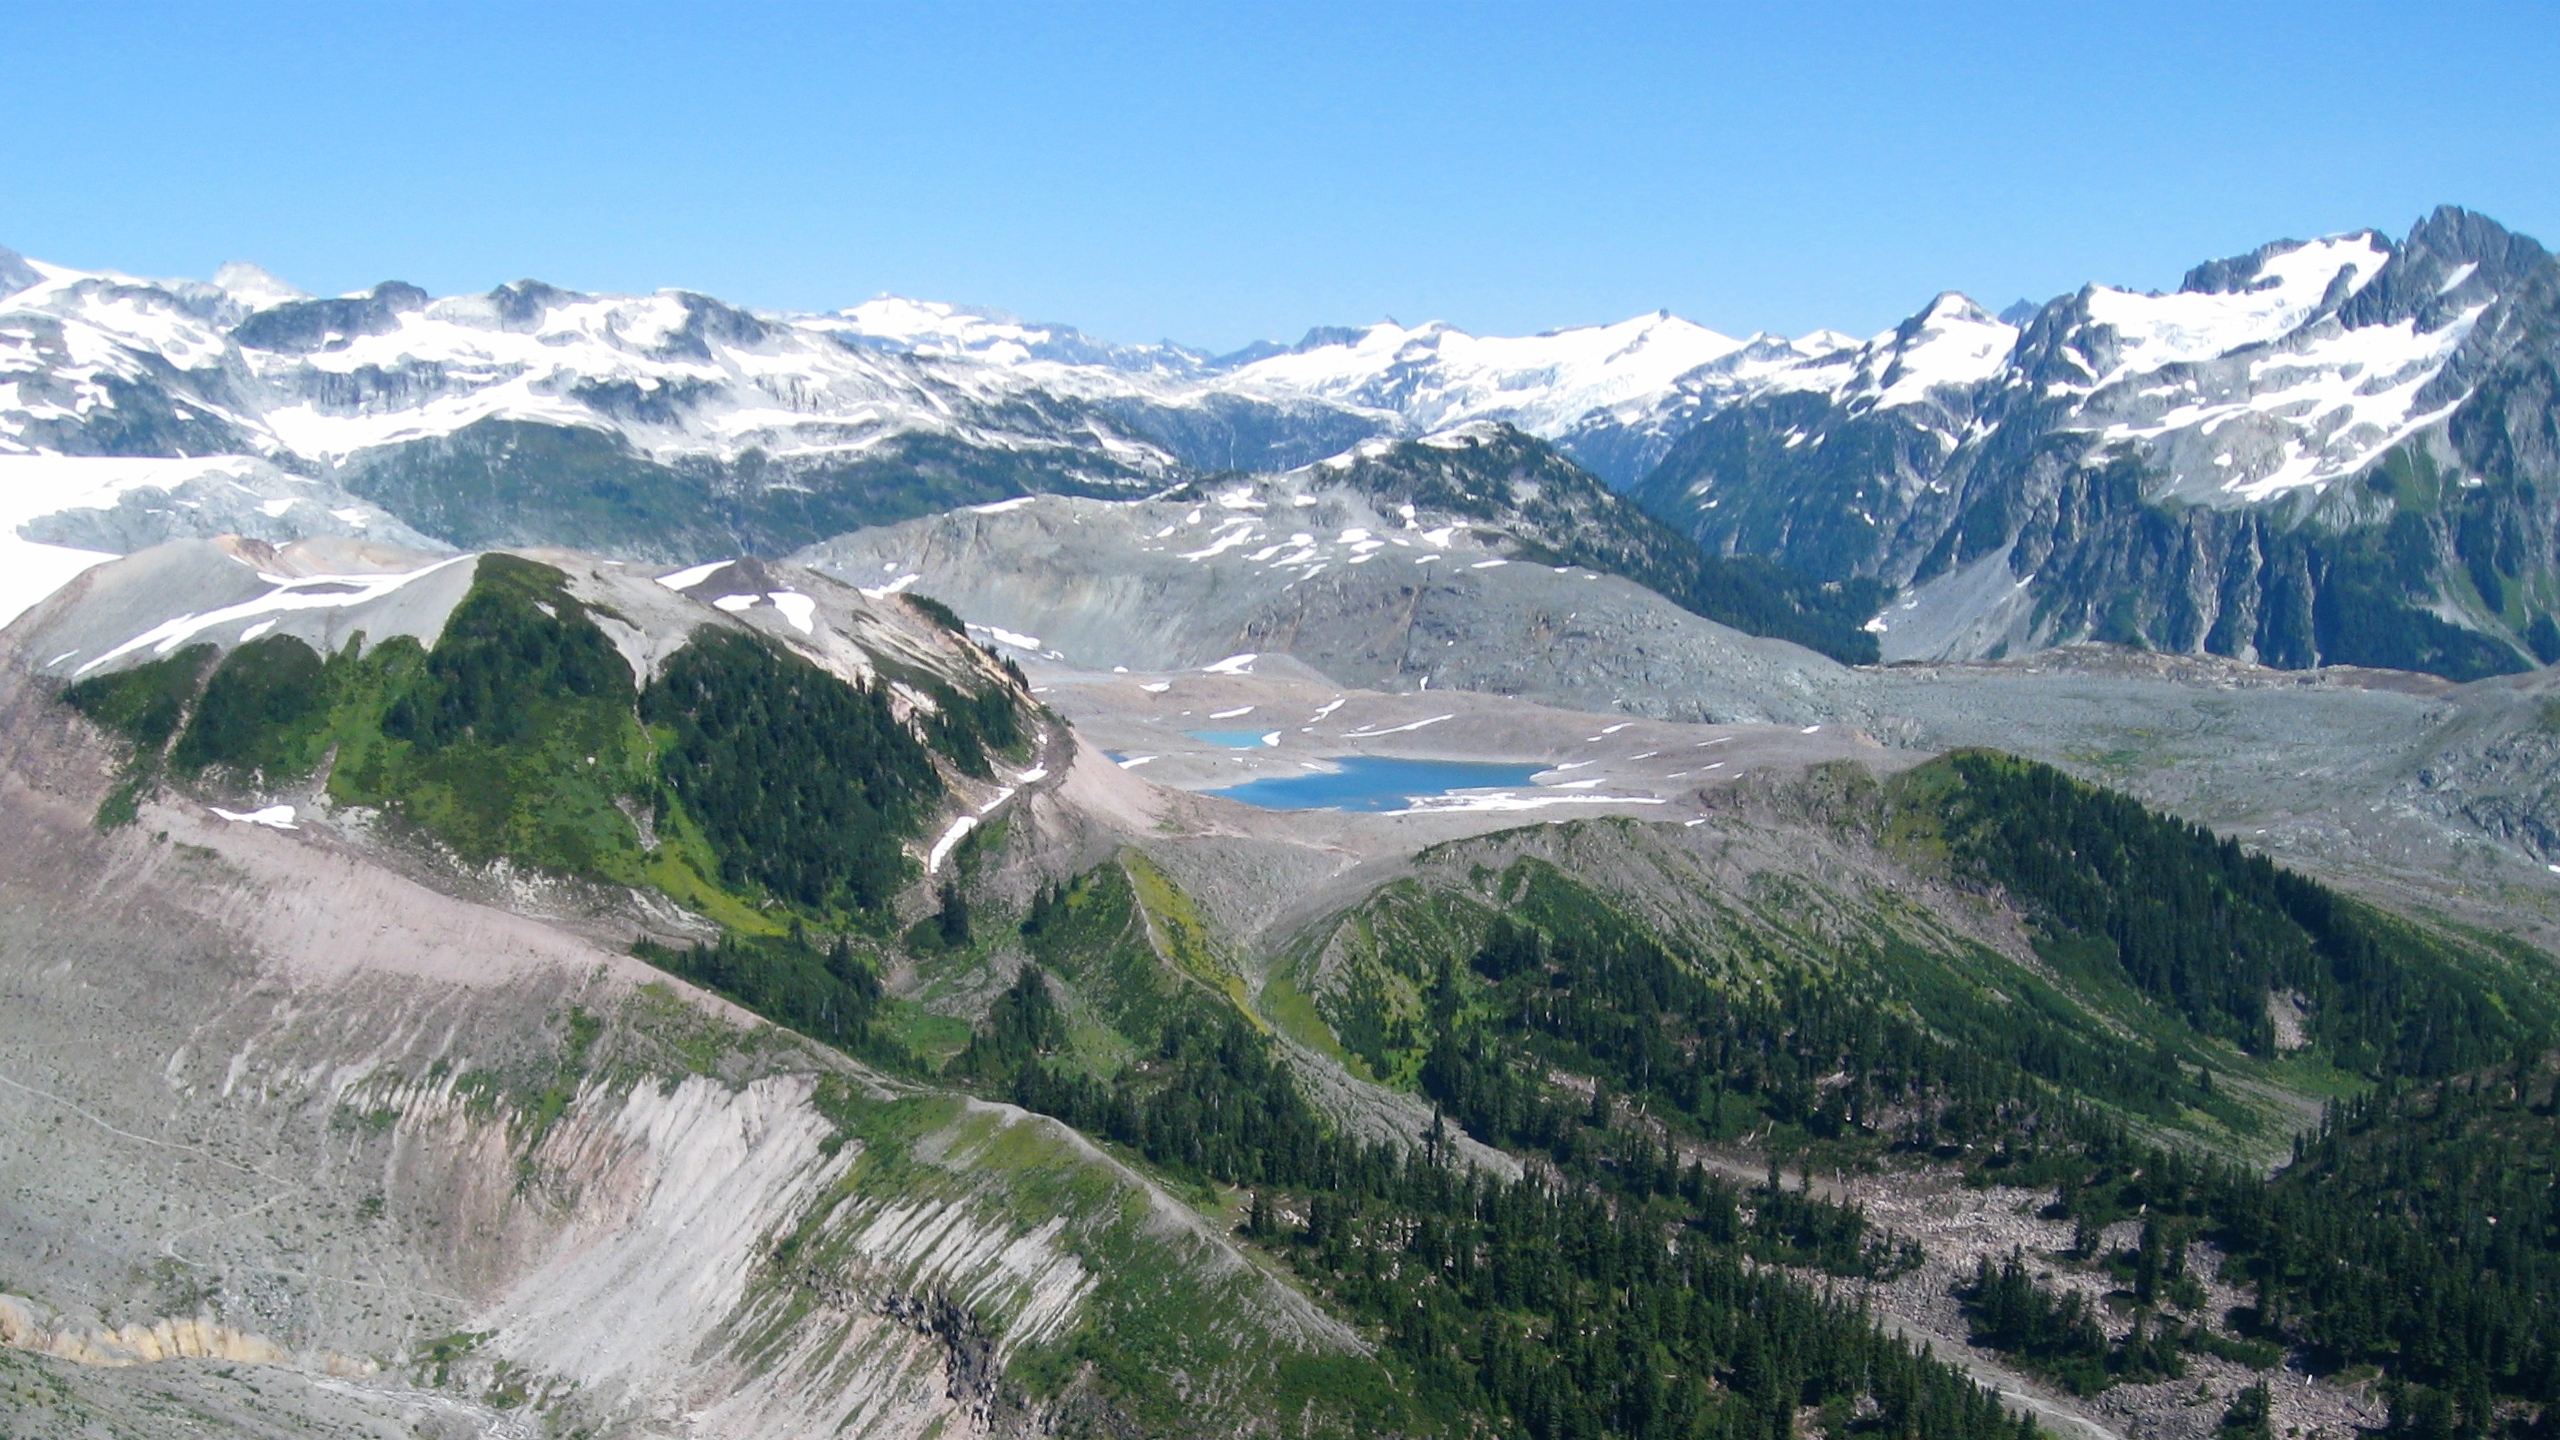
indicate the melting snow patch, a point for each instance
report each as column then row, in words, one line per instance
column 1001, row 507
column 1008, row 637
column 1157, row 687
column 310, row 592
column 1328, row 708
column 1508, row 800
column 252, row 633
column 883, row 592
column 1233, row 664
column 999, row 798
column 1272, row 739
column 1241, row 534
column 1487, row 564
column 274, row 817
column 1394, row 729
column 796, row 608
column 1230, row 714
column 1033, row 775
column 735, row 603
column 959, row 830
column 688, row 578
column 1810, row 729
column 1134, row 761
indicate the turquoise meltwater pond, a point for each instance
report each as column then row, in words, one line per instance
column 1374, row 783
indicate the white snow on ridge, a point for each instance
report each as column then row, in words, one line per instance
column 1956, row 344
column 674, row 375
column 32, row 486
column 306, row 592
column 29, row 572
column 1436, row 375
column 687, row 578
column 1953, row 343
column 2156, row 330
column 2319, row 407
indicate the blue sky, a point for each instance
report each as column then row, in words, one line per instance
column 1218, row 173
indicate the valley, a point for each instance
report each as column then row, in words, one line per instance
column 618, row 866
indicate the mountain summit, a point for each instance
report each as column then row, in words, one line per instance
column 2315, row 452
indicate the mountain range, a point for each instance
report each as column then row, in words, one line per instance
column 2317, row 452
column 629, row 867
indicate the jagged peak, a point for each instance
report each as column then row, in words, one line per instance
column 253, row 286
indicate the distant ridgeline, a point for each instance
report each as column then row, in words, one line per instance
column 743, row 780
column 1562, row 514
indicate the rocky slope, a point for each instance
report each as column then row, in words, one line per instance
column 1370, row 589
column 295, row 1083
column 2313, row 453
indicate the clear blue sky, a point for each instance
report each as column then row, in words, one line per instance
column 1220, row 173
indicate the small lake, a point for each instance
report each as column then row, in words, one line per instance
column 1374, row 783
column 1237, row 739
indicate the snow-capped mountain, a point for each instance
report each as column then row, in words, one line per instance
column 675, row 426
column 928, row 327
column 2188, row 470
column 2315, row 452
column 1613, row 396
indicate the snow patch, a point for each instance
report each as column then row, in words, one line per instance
column 691, row 576
column 274, row 817
column 797, row 608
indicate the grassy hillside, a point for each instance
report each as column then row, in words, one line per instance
column 1598, row 1001
column 743, row 780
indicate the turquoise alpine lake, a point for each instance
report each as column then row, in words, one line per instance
column 1375, row 783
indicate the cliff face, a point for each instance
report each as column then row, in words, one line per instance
column 2334, row 453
